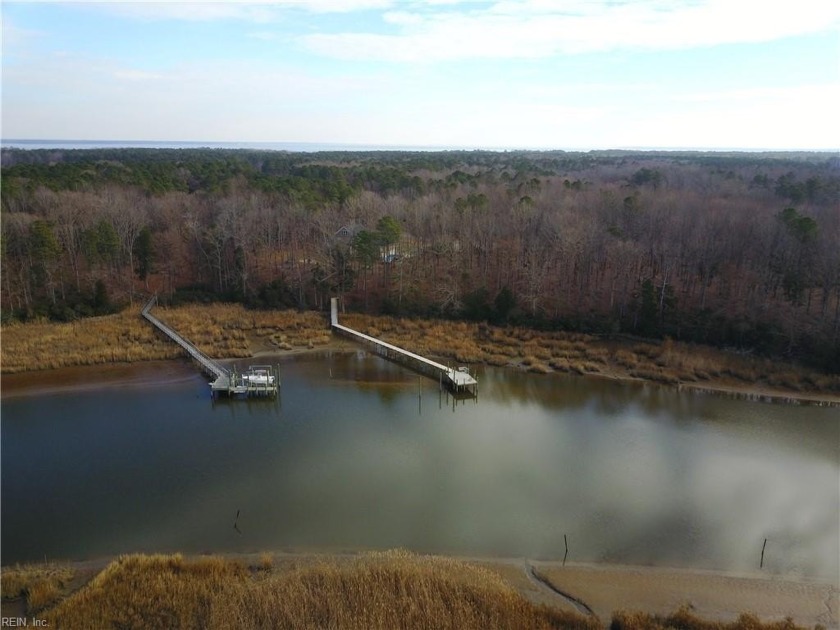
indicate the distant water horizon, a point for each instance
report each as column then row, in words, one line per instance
column 314, row 147
column 293, row 147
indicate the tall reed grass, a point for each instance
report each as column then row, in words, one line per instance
column 684, row 619
column 382, row 590
column 388, row 590
column 96, row 340
column 231, row 331
column 668, row 362
column 218, row 330
column 42, row 585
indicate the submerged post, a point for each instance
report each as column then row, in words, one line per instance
column 566, row 555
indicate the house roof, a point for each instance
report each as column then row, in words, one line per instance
column 350, row 229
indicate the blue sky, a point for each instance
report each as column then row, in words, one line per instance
column 571, row 74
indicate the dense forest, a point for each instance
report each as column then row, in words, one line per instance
column 739, row 250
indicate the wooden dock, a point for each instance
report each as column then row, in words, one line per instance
column 458, row 379
column 259, row 380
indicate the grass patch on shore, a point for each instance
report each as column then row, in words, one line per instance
column 231, row 331
column 380, row 590
column 41, row 585
column 668, row 362
column 393, row 590
column 92, row 341
column 684, row 619
column 218, row 330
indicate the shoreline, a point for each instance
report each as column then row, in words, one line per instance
column 67, row 379
column 591, row 589
column 233, row 332
column 710, row 594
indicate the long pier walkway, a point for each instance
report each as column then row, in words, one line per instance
column 458, row 379
column 259, row 380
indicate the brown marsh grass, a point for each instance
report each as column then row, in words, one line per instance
column 380, row 590
column 96, row 340
column 684, row 619
column 218, row 330
column 41, row 584
column 668, row 362
column 231, row 331
column 394, row 589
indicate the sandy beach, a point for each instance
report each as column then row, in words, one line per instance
column 711, row 595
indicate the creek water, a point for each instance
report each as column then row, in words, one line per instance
column 359, row 453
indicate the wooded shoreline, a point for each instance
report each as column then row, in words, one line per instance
column 227, row 331
column 732, row 250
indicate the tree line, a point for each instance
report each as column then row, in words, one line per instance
column 738, row 250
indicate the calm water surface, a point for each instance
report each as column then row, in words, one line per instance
column 359, row 453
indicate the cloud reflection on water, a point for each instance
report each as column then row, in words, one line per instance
column 630, row 474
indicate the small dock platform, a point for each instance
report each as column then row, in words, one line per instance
column 458, row 379
column 259, row 380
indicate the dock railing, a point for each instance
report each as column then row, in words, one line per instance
column 260, row 380
column 211, row 367
column 457, row 379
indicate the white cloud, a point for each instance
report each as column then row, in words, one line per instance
column 137, row 75
column 403, row 18
column 189, row 10
column 15, row 37
column 284, row 96
column 258, row 11
column 338, row 6
column 793, row 94
column 266, row 36
column 796, row 117
column 542, row 28
column 80, row 96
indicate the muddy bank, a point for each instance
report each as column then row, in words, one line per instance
column 90, row 378
column 151, row 373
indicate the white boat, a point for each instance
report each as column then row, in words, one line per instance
column 258, row 377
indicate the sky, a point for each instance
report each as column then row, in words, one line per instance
column 503, row 74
